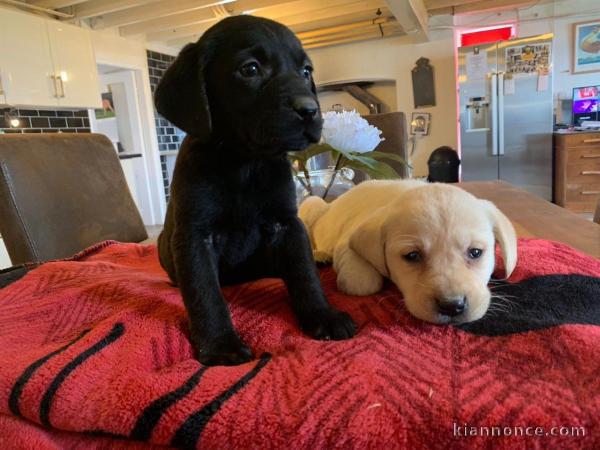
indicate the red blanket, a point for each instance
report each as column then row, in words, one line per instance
column 94, row 354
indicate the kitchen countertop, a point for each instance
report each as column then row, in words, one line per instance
column 567, row 131
column 533, row 216
column 129, row 155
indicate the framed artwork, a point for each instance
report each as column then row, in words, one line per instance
column 108, row 108
column 419, row 123
column 423, row 84
column 586, row 52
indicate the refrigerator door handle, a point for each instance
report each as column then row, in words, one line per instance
column 501, row 113
column 494, row 108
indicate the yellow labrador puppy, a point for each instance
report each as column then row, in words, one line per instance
column 434, row 241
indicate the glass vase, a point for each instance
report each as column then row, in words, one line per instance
column 320, row 180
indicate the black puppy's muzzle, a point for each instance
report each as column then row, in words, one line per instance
column 306, row 107
column 287, row 118
column 308, row 120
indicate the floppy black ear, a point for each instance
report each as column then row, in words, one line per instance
column 181, row 97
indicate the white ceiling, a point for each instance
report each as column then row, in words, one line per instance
column 317, row 22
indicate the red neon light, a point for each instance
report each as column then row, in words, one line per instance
column 485, row 36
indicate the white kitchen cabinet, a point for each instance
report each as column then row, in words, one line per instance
column 26, row 69
column 74, row 65
column 46, row 63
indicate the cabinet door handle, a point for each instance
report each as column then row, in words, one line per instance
column 62, row 86
column 590, row 192
column 591, row 156
column 590, row 172
column 590, row 141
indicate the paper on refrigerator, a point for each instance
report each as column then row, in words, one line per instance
column 477, row 66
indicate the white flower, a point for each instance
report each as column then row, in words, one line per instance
column 347, row 131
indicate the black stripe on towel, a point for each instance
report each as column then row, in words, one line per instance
column 146, row 422
column 189, row 432
column 116, row 332
column 17, row 390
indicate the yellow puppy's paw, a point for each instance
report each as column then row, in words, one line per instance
column 322, row 257
column 360, row 284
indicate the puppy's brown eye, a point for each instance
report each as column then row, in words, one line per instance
column 412, row 257
column 307, row 71
column 250, row 70
column 475, row 253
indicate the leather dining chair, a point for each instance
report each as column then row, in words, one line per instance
column 60, row 193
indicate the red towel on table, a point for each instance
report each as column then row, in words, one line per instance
column 94, row 354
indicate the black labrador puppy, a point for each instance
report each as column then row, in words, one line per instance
column 244, row 93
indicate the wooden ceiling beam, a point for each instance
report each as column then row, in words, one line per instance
column 340, row 34
column 297, row 7
column 339, row 20
column 412, row 16
column 390, row 29
column 94, row 8
column 437, row 4
column 154, row 10
column 309, row 15
column 55, row 4
column 375, row 34
column 341, row 28
column 368, row 6
column 196, row 17
column 481, row 6
column 165, row 23
column 180, row 41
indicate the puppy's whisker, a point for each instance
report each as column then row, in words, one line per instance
column 503, row 303
column 504, row 298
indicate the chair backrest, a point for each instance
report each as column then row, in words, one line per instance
column 60, row 193
column 393, row 127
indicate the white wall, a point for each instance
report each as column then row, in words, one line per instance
column 384, row 91
column 394, row 58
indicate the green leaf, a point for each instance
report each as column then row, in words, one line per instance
column 376, row 169
column 370, row 162
column 383, row 155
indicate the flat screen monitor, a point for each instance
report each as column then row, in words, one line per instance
column 585, row 103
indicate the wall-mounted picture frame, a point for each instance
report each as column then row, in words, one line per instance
column 108, row 107
column 423, row 84
column 419, row 123
column 586, row 48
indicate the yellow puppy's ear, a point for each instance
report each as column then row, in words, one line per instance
column 505, row 234
column 368, row 241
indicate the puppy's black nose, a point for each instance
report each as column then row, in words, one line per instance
column 451, row 306
column 306, row 107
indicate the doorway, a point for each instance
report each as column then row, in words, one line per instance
column 120, row 120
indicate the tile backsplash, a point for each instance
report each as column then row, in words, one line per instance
column 45, row 121
column 169, row 136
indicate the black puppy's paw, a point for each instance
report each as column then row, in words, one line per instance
column 229, row 351
column 327, row 324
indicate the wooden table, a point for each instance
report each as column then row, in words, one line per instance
column 535, row 217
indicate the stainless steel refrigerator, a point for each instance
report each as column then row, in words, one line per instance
column 506, row 113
